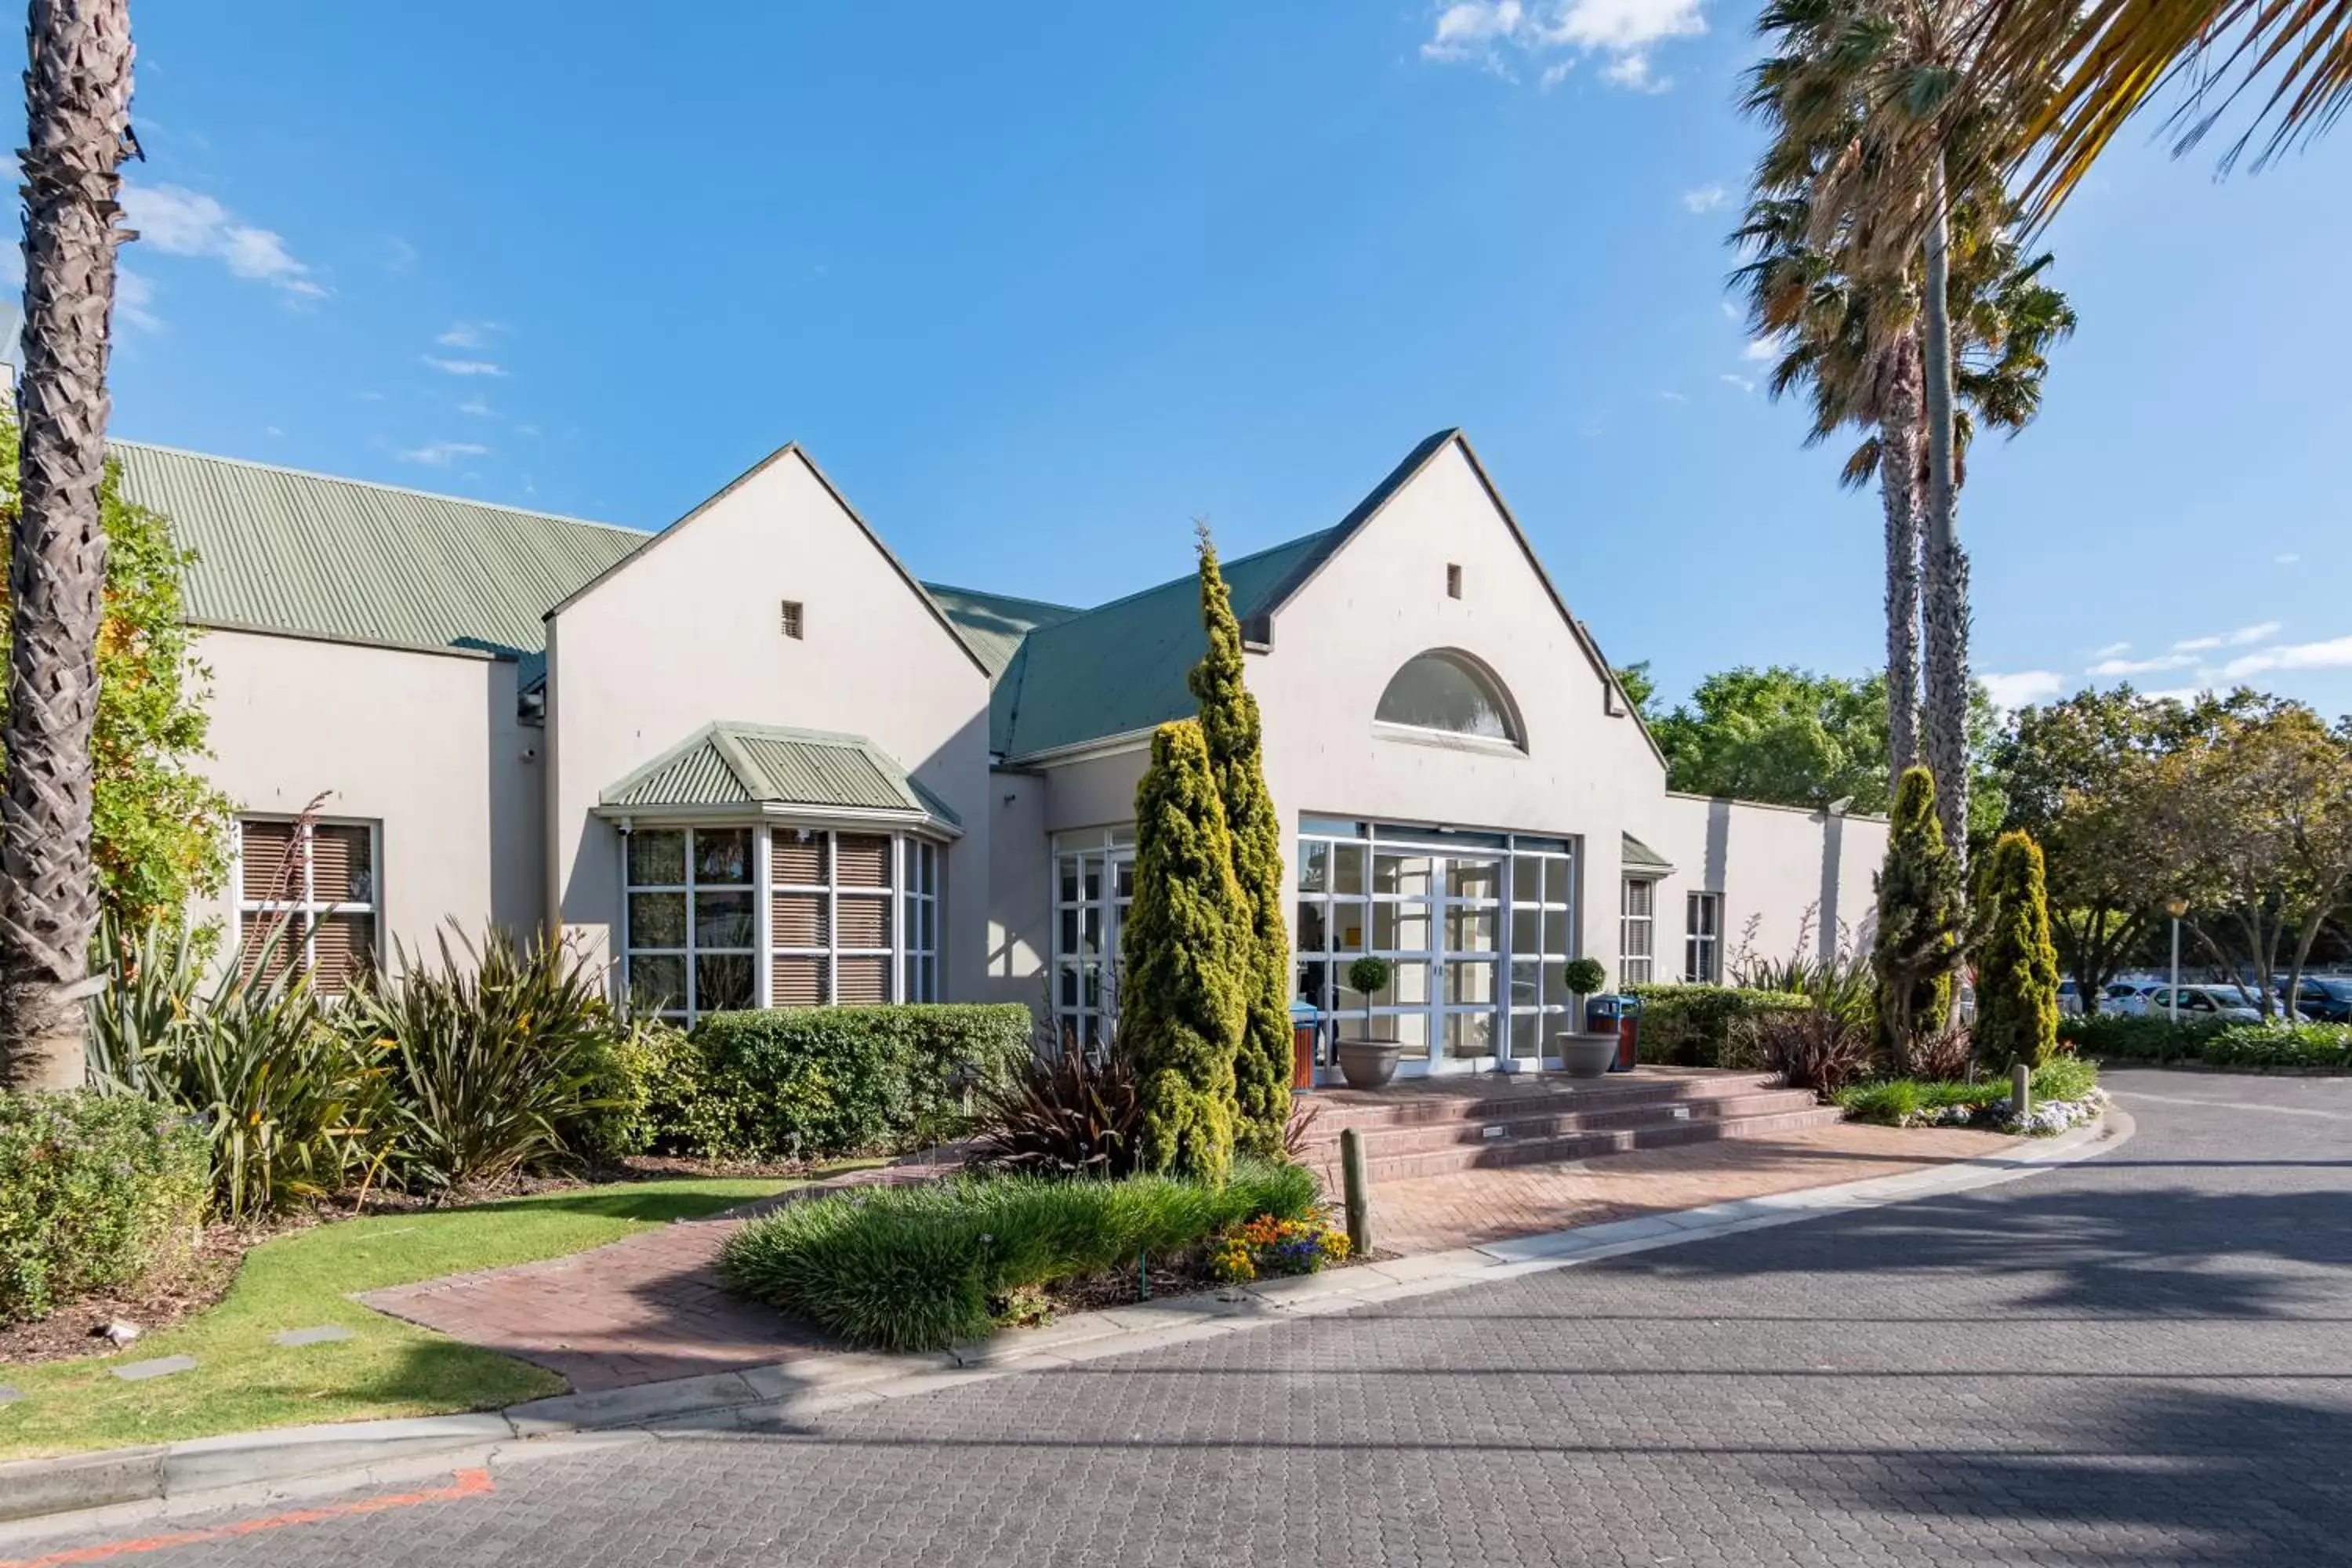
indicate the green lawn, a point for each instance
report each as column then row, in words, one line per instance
column 387, row 1367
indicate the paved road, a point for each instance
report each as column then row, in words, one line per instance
column 2143, row 1359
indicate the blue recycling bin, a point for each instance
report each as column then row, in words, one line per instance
column 1622, row 1014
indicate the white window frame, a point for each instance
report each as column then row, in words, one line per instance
column 688, row 1009
column 1084, row 980
column 310, row 909
column 1703, row 937
column 1637, row 931
column 918, row 932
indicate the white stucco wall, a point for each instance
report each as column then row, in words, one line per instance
column 1803, row 878
column 424, row 743
column 1020, row 890
column 688, row 632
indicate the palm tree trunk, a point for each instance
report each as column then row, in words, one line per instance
column 1947, row 563
column 1898, row 490
column 78, row 115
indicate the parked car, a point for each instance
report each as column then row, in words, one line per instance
column 2326, row 997
column 2128, row 997
column 2070, row 997
column 2233, row 1003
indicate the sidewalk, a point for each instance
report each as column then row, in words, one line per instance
column 648, row 1310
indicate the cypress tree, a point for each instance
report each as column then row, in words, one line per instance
column 1919, row 910
column 1231, row 726
column 2017, row 965
column 1182, row 1005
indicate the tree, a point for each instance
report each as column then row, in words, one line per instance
column 1918, row 946
column 1641, row 688
column 1791, row 737
column 2253, row 818
column 1873, row 99
column 2017, row 967
column 2113, row 58
column 1851, row 341
column 78, row 128
column 1231, row 728
column 158, row 828
column 2081, row 779
column 1184, row 957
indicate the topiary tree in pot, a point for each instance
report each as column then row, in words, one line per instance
column 1369, row 1064
column 1586, row 1053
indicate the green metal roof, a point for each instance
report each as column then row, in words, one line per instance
column 289, row 551
column 1122, row 667
column 994, row 624
column 1640, row 856
column 759, row 765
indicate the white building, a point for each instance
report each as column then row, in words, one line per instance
column 756, row 761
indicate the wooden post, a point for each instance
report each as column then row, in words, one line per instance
column 1357, row 1191
column 2020, row 1090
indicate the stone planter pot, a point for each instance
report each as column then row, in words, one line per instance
column 1369, row 1064
column 1587, row 1055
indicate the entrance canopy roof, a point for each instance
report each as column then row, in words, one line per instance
column 760, row 770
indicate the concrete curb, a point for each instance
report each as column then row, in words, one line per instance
column 785, row 1398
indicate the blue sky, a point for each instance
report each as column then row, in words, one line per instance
column 1039, row 285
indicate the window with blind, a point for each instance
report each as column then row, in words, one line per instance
column 1637, row 933
column 780, row 917
column 1703, row 938
column 307, row 899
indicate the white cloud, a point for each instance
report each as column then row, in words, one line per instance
column 1730, row 311
column 1673, row 398
column 2244, row 636
column 2111, row 650
column 2023, row 687
column 1741, row 382
column 463, row 366
column 2185, row 695
column 182, row 222
column 2289, row 559
column 1761, row 348
column 2143, row 666
column 272, row 430
column 2335, row 653
column 477, row 406
column 467, row 334
column 1489, row 32
column 1705, row 199
column 440, row 454
column 134, row 297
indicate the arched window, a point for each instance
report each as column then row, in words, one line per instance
column 1452, row 693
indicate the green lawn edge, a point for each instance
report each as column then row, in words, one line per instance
column 243, row 1381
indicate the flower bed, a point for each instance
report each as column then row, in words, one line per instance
column 1266, row 1247
column 2065, row 1094
column 918, row 1268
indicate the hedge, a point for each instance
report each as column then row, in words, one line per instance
column 2152, row 1037
column 919, row 1267
column 96, row 1192
column 1708, row 1026
column 817, row 1082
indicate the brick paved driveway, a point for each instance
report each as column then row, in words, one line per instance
column 2139, row 1359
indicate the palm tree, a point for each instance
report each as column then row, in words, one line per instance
column 1871, row 104
column 1849, row 307
column 2112, row 58
column 77, row 129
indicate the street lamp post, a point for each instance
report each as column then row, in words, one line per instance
column 2177, row 907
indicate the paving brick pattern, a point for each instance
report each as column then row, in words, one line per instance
column 648, row 1308
column 2140, row 1360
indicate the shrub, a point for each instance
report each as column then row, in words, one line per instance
column 1901, row 1102
column 495, row 1049
column 1920, row 904
column 919, row 1267
column 2136, row 1036
column 1068, row 1115
column 1944, row 1053
column 293, row 1106
column 1185, row 954
column 1840, row 983
column 816, row 1083
column 637, row 1078
column 2017, row 967
column 1815, row 1050
column 1584, row 976
column 1708, row 1026
column 96, row 1191
column 2064, row 1076
column 2326, row 1047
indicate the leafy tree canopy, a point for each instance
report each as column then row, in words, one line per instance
column 159, row 829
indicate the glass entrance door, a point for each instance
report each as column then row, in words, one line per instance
column 1475, row 928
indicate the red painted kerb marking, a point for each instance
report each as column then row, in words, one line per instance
column 462, row 1484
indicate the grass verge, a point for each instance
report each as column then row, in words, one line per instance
column 242, row 1381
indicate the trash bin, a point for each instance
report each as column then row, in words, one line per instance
column 1623, row 1014
column 1302, row 1047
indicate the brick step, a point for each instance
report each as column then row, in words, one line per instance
column 1594, row 1145
column 1402, row 1106
column 1552, row 1119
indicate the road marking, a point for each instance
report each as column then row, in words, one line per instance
column 463, row 1484
column 2182, row 1099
